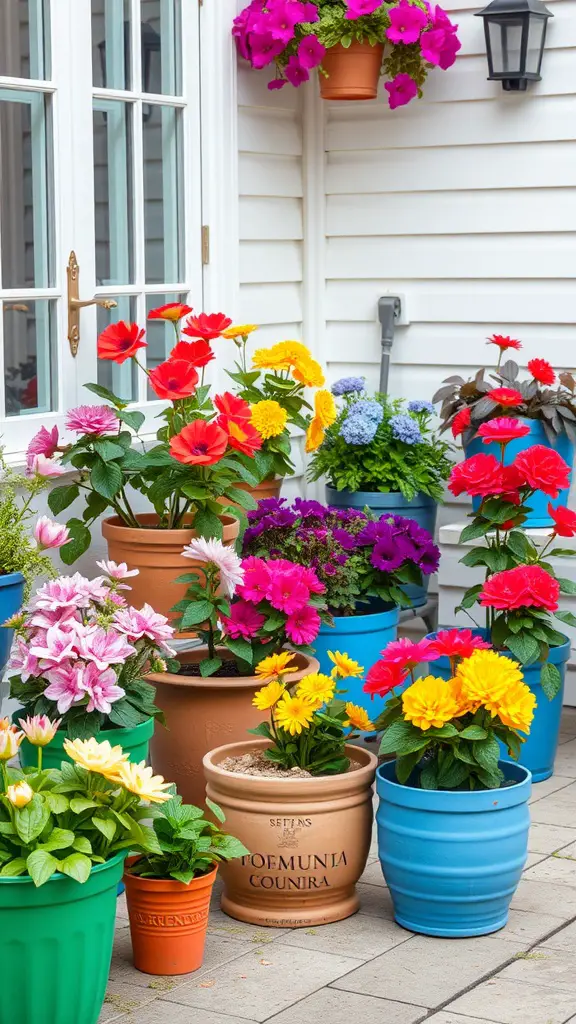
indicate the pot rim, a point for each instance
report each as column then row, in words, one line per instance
column 419, row 498
column 144, row 729
column 368, row 619
column 557, row 651
column 325, row 784
column 171, row 885
column 469, row 800
column 114, row 525
column 221, row 682
column 11, row 579
column 58, row 876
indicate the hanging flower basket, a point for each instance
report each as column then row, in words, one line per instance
column 352, row 73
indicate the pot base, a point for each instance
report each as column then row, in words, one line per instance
column 451, row 933
column 294, row 915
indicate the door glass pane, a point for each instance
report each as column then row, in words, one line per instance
column 161, row 47
column 111, row 44
column 29, row 374
column 162, row 194
column 24, row 39
column 160, row 334
column 25, row 224
column 113, row 192
column 119, row 379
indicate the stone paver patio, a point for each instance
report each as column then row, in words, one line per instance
column 369, row 969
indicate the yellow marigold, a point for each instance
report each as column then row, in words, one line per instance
column 316, row 688
column 314, row 436
column 325, row 410
column 241, row 331
column 140, row 780
column 293, row 714
column 516, row 707
column 464, row 703
column 94, row 756
column 429, row 703
column 344, row 665
column 269, row 418
column 282, row 356
column 309, row 372
column 276, row 665
column 268, row 696
column 486, row 676
column 358, row 718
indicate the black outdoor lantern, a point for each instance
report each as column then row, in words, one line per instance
column 515, row 34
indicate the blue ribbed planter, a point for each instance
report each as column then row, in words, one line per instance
column 539, row 750
column 538, row 516
column 11, row 597
column 422, row 509
column 453, row 860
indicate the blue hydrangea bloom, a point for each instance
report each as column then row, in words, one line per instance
column 358, row 430
column 369, row 409
column 404, row 428
column 420, row 406
column 346, row 385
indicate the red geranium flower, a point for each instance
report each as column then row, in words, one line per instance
column 461, row 421
column 241, row 435
column 502, row 430
column 231, row 405
column 542, row 371
column 408, row 654
column 543, row 469
column 198, row 353
column 526, row 586
column 120, row 342
column 207, row 326
column 457, row 643
column 564, row 520
column 505, row 396
column 174, row 379
column 173, row 311
column 477, row 476
column 199, row 444
column 383, row 677
column 504, row 341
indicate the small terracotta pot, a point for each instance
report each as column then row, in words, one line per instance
column 201, row 713
column 168, row 921
column 157, row 554
column 309, row 840
column 353, row 71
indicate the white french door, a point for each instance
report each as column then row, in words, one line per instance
column 100, row 157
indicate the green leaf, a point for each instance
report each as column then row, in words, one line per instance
column 474, row 530
column 519, row 544
column 428, row 777
column 41, row 866
column 524, row 647
column 57, row 802
column 402, row 738
column 241, row 498
column 566, row 617
column 102, row 392
column 473, row 732
column 13, row 868
column 31, row 820
column 61, row 497
column 80, row 540
column 195, row 491
column 106, row 826
column 82, row 845
column 487, row 754
column 124, row 714
column 80, row 803
column 474, row 557
column 454, row 775
column 106, row 478
column 76, row 866
column 470, row 597
column 196, row 612
column 216, row 810
column 566, row 586
column 207, row 524
column 405, row 765
column 496, row 560
column 132, row 419
column 241, row 648
column 209, row 666
column 59, row 839
column 551, row 680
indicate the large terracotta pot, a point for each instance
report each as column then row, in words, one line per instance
column 157, row 554
column 268, row 488
column 353, row 71
column 309, row 840
column 203, row 713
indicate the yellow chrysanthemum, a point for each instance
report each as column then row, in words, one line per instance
column 268, row 696
column 316, row 688
column 309, row 372
column 282, row 356
column 516, row 708
column 293, row 714
column 276, row 665
column 140, row 779
column 314, row 436
column 325, row 410
column 269, row 418
column 429, row 703
column 358, row 718
column 344, row 666
column 94, row 756
column 460, row 696
column 486, row 676
column 241, row 331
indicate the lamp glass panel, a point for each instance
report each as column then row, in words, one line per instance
column 536, row 31
column 512, row 49
column 496, row 36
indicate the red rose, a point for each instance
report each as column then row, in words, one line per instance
column 174, row 379
column 198, row 353
column 231, row 405
column 461, row 421
column 564, row 520
column 199, row 444
column 543, row 469
column 173, row 311
column 120, row 342
column 383, row 677
column 241, row 435
column 505, row 396
column 502, row 430
column 477, row 476
column 504, row 341
column 542, row 371
column 525, row 586
column 207, row 326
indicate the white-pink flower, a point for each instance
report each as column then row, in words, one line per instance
column 101, row 687
column 45, row 442
column 54, row 646
column 49, row 534
column 39, row 730
column 65, row 685
column 225, row 559
column 41, row 466
column 117, row 571
column 22, row 660
column 66, row 592
column 43, row 619
column 105, row 648
column 92, row 419
column 144, row 623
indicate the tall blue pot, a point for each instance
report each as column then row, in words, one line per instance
column 453, row 859
column 539, row 750
column 11, row 597
column 422, row 509
column 538, row 516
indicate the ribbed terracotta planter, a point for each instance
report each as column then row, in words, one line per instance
column 309, row 840
column 203, row 713
column 353, row 72
column 157, row 554
column 168, row 922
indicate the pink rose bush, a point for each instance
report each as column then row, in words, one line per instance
column 80, row 651
column 293, row 37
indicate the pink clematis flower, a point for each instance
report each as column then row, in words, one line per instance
column 65, row 685
column 105, row 648
column 357, row 8
column 101, row 687
column 303, row 626
column 244, row 621
column 92, row 419
column 295, row 72
column 41, row 466
column 400, row 90
column 49, row 534
column 406, row 23
column 45, row 442
column 310, row 52
column 144, row 623
column 54, row 646
column 287, row 593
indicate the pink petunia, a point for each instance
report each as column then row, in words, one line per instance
column 303, row 626
column 45, row 442
column 295, row 72
column 92, row 419
column 101, row 687
column 432, row 44
column 400, row 90
column 243, row 622
column 310, row 51
column 277, row 83
column 264, row 48
column 357, row 8
column 406, row 23
column 67, row 592
column 282, row 20
column 287, row 593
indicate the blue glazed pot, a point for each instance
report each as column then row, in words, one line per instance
column 539, row 750
column 422, row 509
column 453, row 859
column 11, row 597
column 538, row 516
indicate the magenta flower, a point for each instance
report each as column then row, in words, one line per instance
column 286, row 592
column 277, row 83
column 92, row 419
column 65, row 685
column 101, row 687
column 256, row 580
column 54, row 646
column 449, row 51
column 431, row 45
column 303, row 626
column 310, row 13
column 264, row 48
column 310, row 580
column 406, row 23
column 310, row 52
column 105, row 648
column 400, row 90
column 42, row 466
column 407, row 653
column 295, row 72
column 357, row 8
column 144, row 623
column 243, row 622
column 282, row 19
column 45, row 442
column 49, row 534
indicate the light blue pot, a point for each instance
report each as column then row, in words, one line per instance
column 363, row 637
column 538, row 516
column 422, row 509
column 539, row 750
column 453, row 859
column 11, row 597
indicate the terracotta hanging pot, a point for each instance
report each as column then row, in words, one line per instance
column 168, row 921
column 157, row 554
column 203, row 713
column 353, row 71
column 309, row 840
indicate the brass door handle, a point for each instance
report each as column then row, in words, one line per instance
column 75, row 304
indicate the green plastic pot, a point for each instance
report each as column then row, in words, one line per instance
column 56, row 946
column 135, row 742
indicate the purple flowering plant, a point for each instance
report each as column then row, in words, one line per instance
column 293, row 36
column 359, row 559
